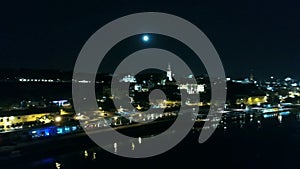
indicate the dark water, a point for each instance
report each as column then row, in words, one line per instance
column 244, row 144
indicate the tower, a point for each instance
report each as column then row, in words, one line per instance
column 251, row 76
column 169, row 72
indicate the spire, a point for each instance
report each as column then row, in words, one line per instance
column 169, row 72
column 169, row 67
column 251, row 75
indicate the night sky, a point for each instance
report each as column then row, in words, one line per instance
column 256, row 36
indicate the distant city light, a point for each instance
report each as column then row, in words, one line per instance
column 294, row 84
column 145, row 38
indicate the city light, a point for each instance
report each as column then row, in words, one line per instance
column 103, row 84
column 58, row 119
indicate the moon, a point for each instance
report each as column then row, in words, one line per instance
column 145, row 38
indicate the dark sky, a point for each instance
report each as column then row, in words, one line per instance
column 262, row 36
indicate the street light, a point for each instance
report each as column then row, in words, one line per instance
column 58, row 119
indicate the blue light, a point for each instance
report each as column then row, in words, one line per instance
column 59, row 131
column 284, row 113
column 67, row 129
column 47, row 161
column 268, row 115
column 145, row 38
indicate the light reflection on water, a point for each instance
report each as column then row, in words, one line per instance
column 93, row 156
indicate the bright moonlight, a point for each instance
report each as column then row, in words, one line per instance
column 145, row 38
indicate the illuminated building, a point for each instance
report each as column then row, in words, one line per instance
column 128, row 79
column 169, row 73
column 64, row 103
column 192, row 88
column 252, row 100
column 14, row 119
column 138, row 87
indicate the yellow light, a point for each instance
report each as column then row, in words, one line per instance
column 63, row 112
column 139, row 107
column 58, row 119
column 86, row 154
column 58, row 165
